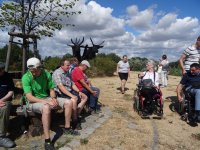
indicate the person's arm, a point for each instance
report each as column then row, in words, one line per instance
column 82, row 81
column 181, row 60
column 179, row 92
column 65, row 91
column 7, row 97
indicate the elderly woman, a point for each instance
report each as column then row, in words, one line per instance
column 149, row 92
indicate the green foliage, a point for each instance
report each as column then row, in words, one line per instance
column 137, row 63
column 102, row 66
column 112, row 56
column 15, row 58
column 51, row 63
column 41, row 17
column 174, row 69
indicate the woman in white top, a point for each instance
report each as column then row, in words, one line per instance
column 165, row 68
column 123, row 70
column 150, row 73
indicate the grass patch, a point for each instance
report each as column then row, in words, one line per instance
column 119, row 110
column 196, row 136
column 84, row 141
column 128, row 97
column 63, row 143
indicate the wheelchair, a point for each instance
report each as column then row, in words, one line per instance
column 146, row 104
column 187, row 107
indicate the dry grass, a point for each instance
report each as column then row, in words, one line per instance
column 125, row 130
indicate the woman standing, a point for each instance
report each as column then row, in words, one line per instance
column 165, row 68
column 123, row 70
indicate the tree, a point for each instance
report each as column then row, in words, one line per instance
column 16, row 57
column 38, row 17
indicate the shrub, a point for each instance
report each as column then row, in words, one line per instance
column 102, row 66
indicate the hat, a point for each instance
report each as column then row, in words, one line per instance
column 33, row 63
column 85, row 62
column 2, row 65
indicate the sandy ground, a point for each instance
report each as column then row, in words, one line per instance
column 126, row 130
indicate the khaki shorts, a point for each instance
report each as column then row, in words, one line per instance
column 37, row 107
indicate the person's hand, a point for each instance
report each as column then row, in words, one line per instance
column 140, row 74
column 2, row 103
column 53, row 103
column 94, row 93
column 180, row 99
column 74, row 97
column 183, row 72
column 80, row 94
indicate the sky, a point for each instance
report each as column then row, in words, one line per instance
column 137, row 28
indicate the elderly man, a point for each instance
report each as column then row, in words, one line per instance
column 79, row 78
column 38, row 87
column 191, row 82
column 6, row 93
column 65, row 88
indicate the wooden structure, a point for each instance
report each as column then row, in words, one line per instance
column 24, row 44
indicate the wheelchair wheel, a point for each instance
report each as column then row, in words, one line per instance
column 136, row 104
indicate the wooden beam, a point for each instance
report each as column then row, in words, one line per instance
column 23, row 36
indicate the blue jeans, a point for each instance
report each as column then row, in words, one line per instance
column 92, row 100
column 196, row 93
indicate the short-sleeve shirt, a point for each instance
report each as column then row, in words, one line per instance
column 60, row 77
column 192, row 56
column 6, row 84
column 77, row 75
column 38, row 86
column 150, row 75
column 165, row 65
column 191, row 80
column 123, row 66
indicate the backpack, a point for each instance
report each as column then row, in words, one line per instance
column 148, row 83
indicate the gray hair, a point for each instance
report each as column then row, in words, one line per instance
column 151, row 62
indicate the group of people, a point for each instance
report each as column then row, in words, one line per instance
column 189, row 64
column 68, row 88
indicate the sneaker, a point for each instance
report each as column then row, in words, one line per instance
column 70, row 132
column 78, row 127
column 49, row 146
column 6, row 142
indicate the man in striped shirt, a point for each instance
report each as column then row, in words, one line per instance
column 190, row 55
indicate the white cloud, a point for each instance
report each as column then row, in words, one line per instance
column 154, row 33
column 139, row 19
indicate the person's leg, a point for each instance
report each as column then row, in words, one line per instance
column 197, row 99
column 165, row 78
column 96, row 89
column 67, row 105
column 82, row 103
column 162, row 78
column 46, row 116
column 74, row 108
column 4, row 118
column 4, row 121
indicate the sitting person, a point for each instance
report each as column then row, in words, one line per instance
column 38, row 87
column 67, row 89
column 78, row 77
column 6, row 93
column 148, row 93
column 191, row 82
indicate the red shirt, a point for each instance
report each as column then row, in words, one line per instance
column 77, row 75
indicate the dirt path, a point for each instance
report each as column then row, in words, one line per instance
column 125, row 130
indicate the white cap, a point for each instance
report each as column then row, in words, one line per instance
column 33, row 62
column 85, row 62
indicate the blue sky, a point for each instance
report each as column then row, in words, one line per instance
column 183, row 7
column 138, row 28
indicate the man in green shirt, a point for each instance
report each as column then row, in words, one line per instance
column 38, row 87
